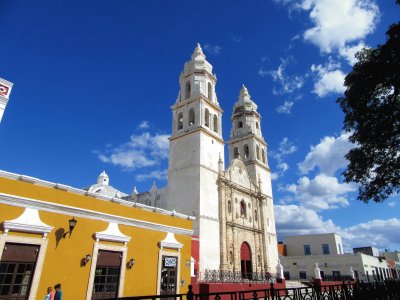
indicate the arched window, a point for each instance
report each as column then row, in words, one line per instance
column 210, row 91
column 258, row 152
column 240, row 124
column 243, row 208
column 180, row 121
column 263, row 155
column 245, row 261
column 246, row 151
column 215, row 123
column 257, row 125
column 206, row 117
column 191, row 117
column 236, row 152
column 187, row 90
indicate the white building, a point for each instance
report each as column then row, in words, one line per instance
column 235, row 222
column 326, row 250
column 5, row 91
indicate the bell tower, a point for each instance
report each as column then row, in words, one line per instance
column 196, row 147
column 247, row 142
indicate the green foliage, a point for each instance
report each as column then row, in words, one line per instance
column 371, row 104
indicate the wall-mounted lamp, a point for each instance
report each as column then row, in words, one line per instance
column 188, row 263
column 183, row 281
column 72, row 224
column 87, row 258
column 130, row 263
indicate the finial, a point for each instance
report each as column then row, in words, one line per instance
column 198, row 52
column 135, row 192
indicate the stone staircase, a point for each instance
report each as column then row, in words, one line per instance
column 293, row 284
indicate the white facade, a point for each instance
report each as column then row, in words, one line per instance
column 365, row 267
column 326, row 250
column 199, row 186
column 5, row 91
column 318, row 244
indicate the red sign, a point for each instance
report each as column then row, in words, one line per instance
column 3, row 90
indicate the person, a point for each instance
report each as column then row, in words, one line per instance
column 58, row 295
column 50, row 294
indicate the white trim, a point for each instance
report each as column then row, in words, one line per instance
column 88, row 214
column 170, row 242
column 5, row 238
column 113, row 234
column 28, row 221
column 97, row 246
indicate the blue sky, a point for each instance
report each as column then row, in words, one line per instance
column 94, row 82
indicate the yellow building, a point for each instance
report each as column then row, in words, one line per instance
column 116, row 248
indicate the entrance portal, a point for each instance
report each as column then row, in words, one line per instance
column 245, row 261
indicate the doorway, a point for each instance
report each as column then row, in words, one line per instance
column 168, row 278
column 107, row 275
column 17, row 267
column 245, row 261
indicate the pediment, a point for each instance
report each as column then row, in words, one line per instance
column 237, row 172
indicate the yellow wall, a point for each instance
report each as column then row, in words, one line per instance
column 63, row 258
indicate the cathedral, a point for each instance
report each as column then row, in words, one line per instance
column 234, row 226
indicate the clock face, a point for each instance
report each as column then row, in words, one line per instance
column 3, row 90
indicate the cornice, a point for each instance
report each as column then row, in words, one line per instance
column 88, row 214
column 245, row 137
column 199, row 128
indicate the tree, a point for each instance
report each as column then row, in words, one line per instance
column 371, row 104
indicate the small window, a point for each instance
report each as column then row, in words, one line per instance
column 180, row 121
column 257, row 126
column 242, row 208
column 206, row 117
column 187, row 90
column 240, row 124
column 258, row 152
column 246, row 151
column 191, row 117
column 210, row 91
column 340, row 249
column 303, row 275
column 263, row 155
column 325, row 249
column 236, row 152
column 307, row 250
column 215, row 123
column 255, row 216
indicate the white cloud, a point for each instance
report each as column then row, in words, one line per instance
column 236, row 39
column 297, row 220
column 328, row 155
column 321, row 193
column 144, row 150
column 262, row 72
column 377, row 233
column 286, row 108
column 285, row 148
column 329, row 79
column 212, row 49
column 288, row 83
column 157, row 174
column 338, row 22
column 392, row 204
column 349, row 52
column 144, row 125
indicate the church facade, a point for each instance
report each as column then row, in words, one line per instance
column 235, row 224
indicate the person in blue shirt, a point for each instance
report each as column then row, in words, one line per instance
column 58, row 295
